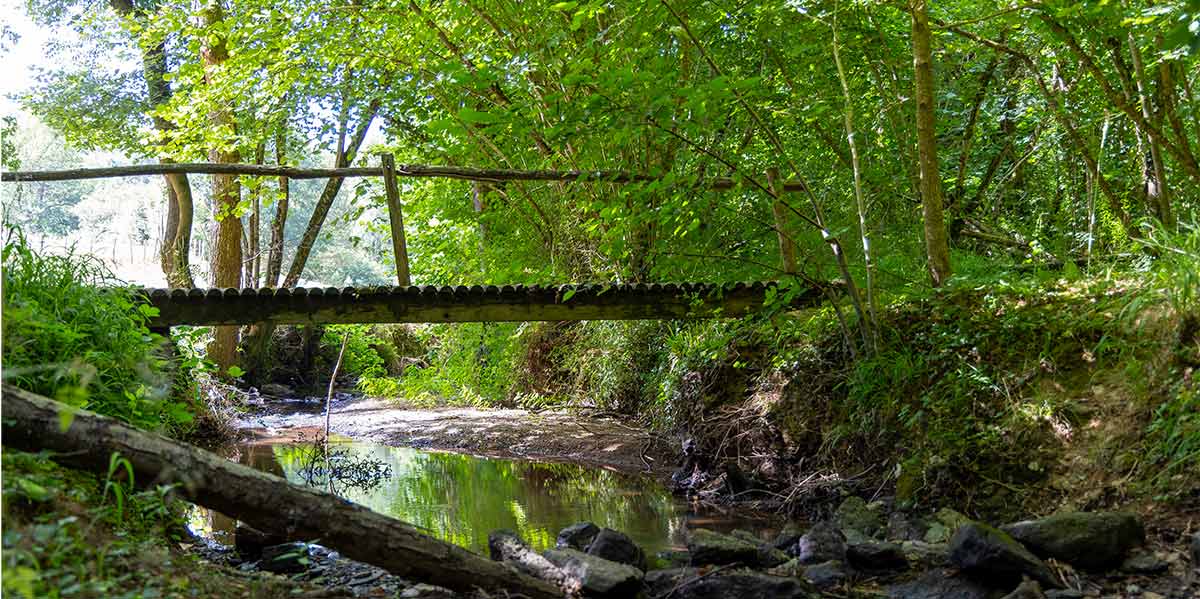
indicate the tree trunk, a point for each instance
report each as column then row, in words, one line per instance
column 326, row 200
column 787, row 246
column 180, row 274
column 275, row 255
column 1154, row 178
column 32, row 423
column 254, row 262
column 178, row 234
column 936, row 243
column 227, row 260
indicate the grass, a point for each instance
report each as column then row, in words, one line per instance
column 74, row 333
column 71, row 534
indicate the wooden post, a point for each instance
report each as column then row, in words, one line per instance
column 399, row 246
column 787, row 246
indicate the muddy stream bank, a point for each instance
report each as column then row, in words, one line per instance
column 463, row 474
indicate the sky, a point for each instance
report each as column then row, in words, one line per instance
column 17, row 60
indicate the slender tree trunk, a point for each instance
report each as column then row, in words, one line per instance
column 1156, row 185
column 327, row 196
column 166, row 252
column 969, row 133
column 936, row 243
column 227, row 260
column 254, row 262
column 275, row 256
column 178, row 234
column 859, row 201
column 787, row 247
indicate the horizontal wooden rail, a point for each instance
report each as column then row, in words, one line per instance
column 461, row 304
column 402, row 170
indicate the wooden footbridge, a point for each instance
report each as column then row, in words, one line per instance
column 409, row 303
column 477, row 303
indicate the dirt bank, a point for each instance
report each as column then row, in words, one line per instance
column 556, row 436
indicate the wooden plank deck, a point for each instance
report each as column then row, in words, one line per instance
column 477, row 303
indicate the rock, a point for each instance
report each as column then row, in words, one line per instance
column 1064, row 594
column 1026, row 590
column 742, row 584
column 988, row 554
column 615, row 546
column 672, row 558
column 853, row 537
column 1196, row 549
column 788, row 536
column 1088, row 540
column 745, row 535
column 1144, row 562
column 926, row 555
column 939, row 584
column 822, row 543
column 945, row 522
column 287, row 558
column 711, row 548
column 277, row 390
column 661, row 582
column 826, row 575
column 597, row 576
column 427, row 591
column 249, row 541
column 577, row 536
column 792, row 568
column 902, row 527
column 876, row 555
column 769, row 556
column 853, row 514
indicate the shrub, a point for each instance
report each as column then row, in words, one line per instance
column 75, row 333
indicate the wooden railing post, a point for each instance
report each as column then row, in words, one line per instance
column 396, row 216
column 787, row 246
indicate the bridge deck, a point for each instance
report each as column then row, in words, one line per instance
column 476, row 303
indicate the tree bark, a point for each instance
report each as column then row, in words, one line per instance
column 859, row 200
column 937, row 245
column 254, row 262
column 505, row 546
column 177, row 237
column 787, row 246
column 1155, row 179
column 227, row 260
column 396, row 220
column 32, row 423
column 275, row 255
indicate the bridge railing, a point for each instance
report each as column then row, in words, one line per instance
column 390, row 171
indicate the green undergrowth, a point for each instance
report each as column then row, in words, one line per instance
column 74, row 333
column 1011, row 387
column 72, row 534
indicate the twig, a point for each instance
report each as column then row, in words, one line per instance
column 328, row 403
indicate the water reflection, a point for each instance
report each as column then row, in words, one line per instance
column 461, row 498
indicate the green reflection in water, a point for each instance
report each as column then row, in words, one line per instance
column 461, row 498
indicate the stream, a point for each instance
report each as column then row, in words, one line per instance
column 461, row 498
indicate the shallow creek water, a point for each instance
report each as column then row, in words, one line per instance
column 461, row 498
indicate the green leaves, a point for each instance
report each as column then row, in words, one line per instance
column 473, row 117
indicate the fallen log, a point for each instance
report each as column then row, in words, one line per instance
column 31, row 423
column 505, row 546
